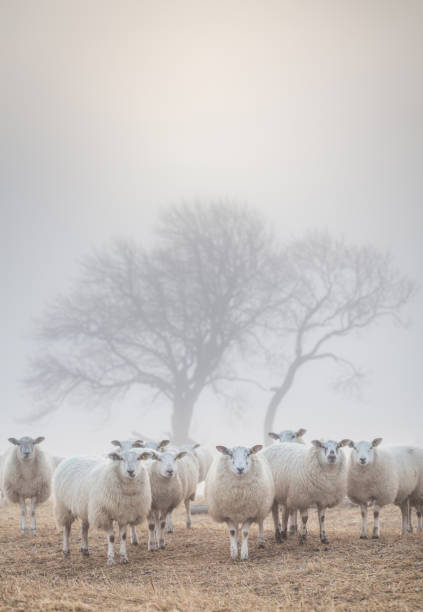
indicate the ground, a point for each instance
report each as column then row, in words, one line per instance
column 196, row 573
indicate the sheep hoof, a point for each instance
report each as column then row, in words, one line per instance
column 301, row 539
column 162, row 545
column 170, row 529
column 292, row 530
column 324, row 541
column 85, row 552
column 110, row 561
column 134, row 543
column 188, row 525
column 283, row 535
column 124, row 559
column 363, row 537
column 261, row 544
column 66, row 554
column 375, row 536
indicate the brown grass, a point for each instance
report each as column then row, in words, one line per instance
column 195, row 572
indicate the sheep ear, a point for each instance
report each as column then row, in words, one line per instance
column 162, row 444
column 154, row 454
column 138, row 444
column 377, row 441
column 194, row 446
column 223, row 449
column 255, row 449
column 300, row 433
column 144, row 456
column 115, row 442
column 39, row 439
column 14, row 441
column 317, row 443
column 275, row 436
column 114, row 456
column 351, row 444
column 345, row 442
column 181, row 454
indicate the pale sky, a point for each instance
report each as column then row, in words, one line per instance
column 310, row 111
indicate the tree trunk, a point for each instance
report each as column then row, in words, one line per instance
column 181, row 420
column 276, row 399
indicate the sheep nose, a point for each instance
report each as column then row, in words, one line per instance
column 362, row 460
column 131, row 473
column 240, row 470
column 170, row 472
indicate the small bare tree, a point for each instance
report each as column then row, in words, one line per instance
column 333, row 291
column 165, row 317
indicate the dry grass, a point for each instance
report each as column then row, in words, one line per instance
column 195, row 572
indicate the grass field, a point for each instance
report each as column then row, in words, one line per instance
column 196, row 573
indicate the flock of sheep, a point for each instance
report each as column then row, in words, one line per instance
column 140, row 481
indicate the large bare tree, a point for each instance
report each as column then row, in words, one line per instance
column 165, row 317
column 332, row 291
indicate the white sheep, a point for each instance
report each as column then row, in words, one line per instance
column 239, row 491
column 167, row 492
column 26, row 474
column 383, row 476
column 137, row 443
column 204, row 459
column 289, row 435
column 304, row 477
column 100, row 491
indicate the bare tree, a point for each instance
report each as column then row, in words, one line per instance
column 333, row 291
column 165, row 317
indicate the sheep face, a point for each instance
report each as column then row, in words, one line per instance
column 167, row 462
column 26, row 446
column 239, row 457
column 330, row 450
column 288, row 435
column 128, row 462
column 363, row 452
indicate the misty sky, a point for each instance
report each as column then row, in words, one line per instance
column 310, row 111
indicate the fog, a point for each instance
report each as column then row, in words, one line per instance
column 310, row 112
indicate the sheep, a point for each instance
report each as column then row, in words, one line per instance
column 189, row 470
column 26, row 473
column 289, row 435
column 416, row 498
column 100, row 491
column 137, row 443
column 307, row 476
column 384, row 476
column 167, row 492
column 240, row 490
column 128, row 444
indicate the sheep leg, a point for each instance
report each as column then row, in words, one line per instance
column 275, row 514
column 188, row 509
column 261, row 534
column 284, row 522
column 84, row 537
column 293, row 525
column 152, row 541
column 419, row 520
column 33, row 522
column 304, row 519
column 376, row 523
column 404, row 512
column 410, row 521
column 110, row 546
column 170, row 523
column 161, row 531
column 122, row 551
column 363, row 534
column 23, row 515
column 233, row 539
column 321, row 515
column 133, row 535
column 244, row 543
column 66, row 534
